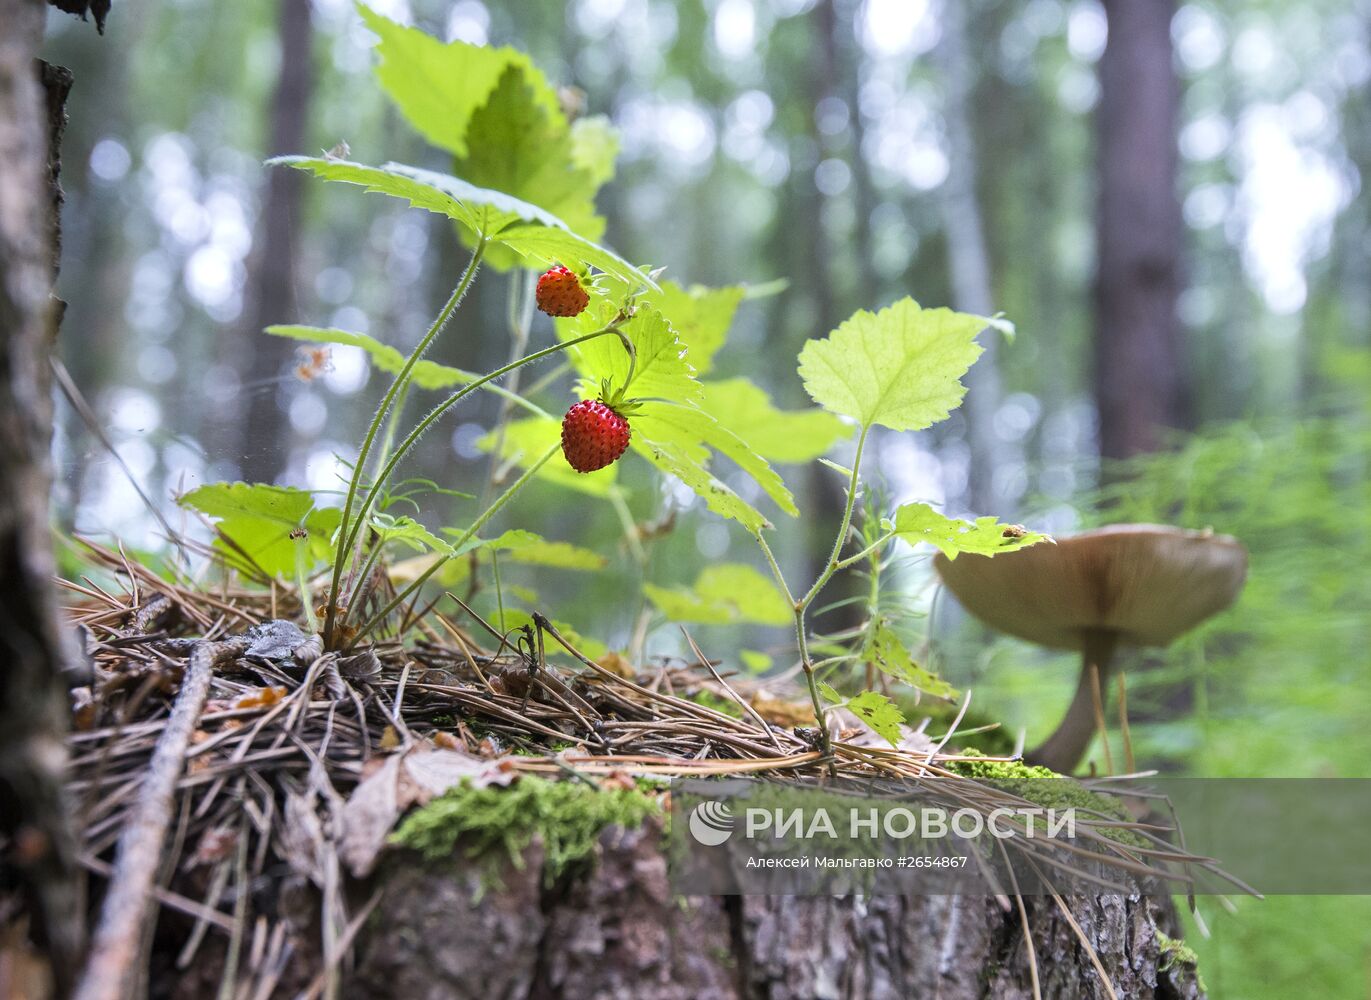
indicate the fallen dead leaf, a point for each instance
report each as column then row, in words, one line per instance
column 779, row 712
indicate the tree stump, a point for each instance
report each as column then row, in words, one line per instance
column 619, row 932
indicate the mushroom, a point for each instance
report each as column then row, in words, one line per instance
column 1134, row 584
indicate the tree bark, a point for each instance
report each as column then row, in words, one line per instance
column 1139, row 374
column 33, row 714
column 264, row 446
column 620, row 933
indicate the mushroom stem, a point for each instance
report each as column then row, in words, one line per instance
column 1063, row 750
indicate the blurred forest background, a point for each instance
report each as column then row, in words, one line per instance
column 1166, row 200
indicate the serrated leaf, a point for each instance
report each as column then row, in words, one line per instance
column 918, row 522
column 880, row 713
column 888, row 654
column 723, row 594
column 595, row 147
column 438, row 86
column 695, row 432
column 829, row 693
column 700, row 316
column 900, row 367
column 670, row 458
column 528, row 229
column 408, row 532
column 426, row 374
column 259, row 520
column 535, row 550
column 788, row 436
column 662, row 370
column 516, row 145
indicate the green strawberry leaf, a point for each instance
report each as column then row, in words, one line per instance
column 880, row 713
column 661, row 370
column 409, row 532
column 786, row 436
column 900, row 367
column 694, row 432
column 671, row 458
column 918, row 522
column 830, row 693
column 888, row 654
column 259, row 519
column 595, row 147
column 534, row 550
column 438, row 86
column 723, row 594
column 527, row 229
column 426, row 374
column 516, row 146
column 700, row 316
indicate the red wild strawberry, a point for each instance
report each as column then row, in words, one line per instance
column 560, row 292
column 593, row 435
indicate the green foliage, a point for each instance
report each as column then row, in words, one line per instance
column 785, row 436
column 407, row 531
column 499, row 824
column 878, row 712
column 661, row 370
column 532, row 549
column 888, row 654
column 256, row 523
column 426, row 375
column 438, row 86
column 526, row 229
column 900, row 367
column 918, row 522
column 723, row 594
column 515, row 144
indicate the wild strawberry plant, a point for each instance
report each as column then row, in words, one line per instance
column 521, row 194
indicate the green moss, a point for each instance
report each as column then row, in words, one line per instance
column 1049, row 789
column 1176, row 952
column 725, row 706
column 498, row 824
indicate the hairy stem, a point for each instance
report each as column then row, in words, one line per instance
column 467, row 535
column 358, row 470
column 433, row 415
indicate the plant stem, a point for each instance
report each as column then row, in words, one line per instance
column 461, row 394
column 802, row 605
column 401, row 380
column 841, row 540
column 466, row 536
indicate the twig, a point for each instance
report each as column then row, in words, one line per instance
column 115, row 944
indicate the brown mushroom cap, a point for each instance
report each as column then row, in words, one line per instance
column 1147, row 583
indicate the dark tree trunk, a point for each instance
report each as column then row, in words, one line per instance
column 827, row 491
column 1139, row 373
column 264, row 446
column 622, row 934
column 969, row 261
column 33, row 822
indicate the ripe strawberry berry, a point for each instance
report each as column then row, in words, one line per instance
column 593, row 435
column 560, row 292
